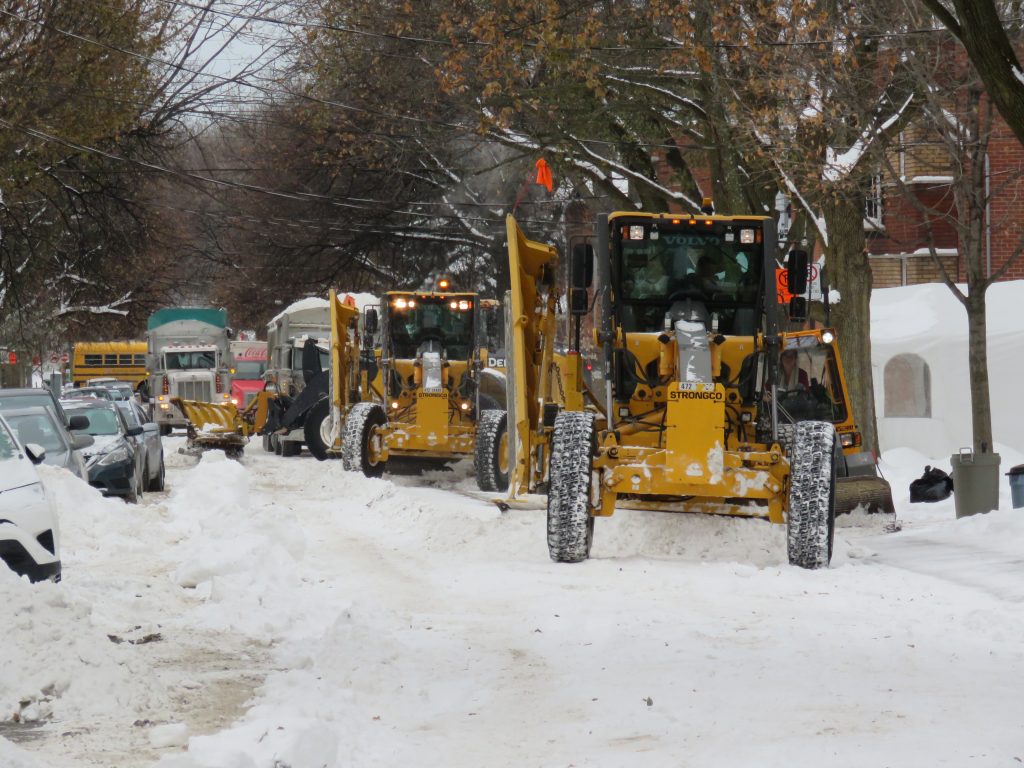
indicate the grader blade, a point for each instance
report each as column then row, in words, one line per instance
column 871, row 492
column 217, row 426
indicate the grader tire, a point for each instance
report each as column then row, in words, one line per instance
column 810, row 523
column 355, row 442
column 488, row 454
column 570, row 522
column 311, row 429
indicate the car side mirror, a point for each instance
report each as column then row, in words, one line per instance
column 134, row 431
column 796, row 272
column 78, row 422
column 36, row 453
column 78, row 442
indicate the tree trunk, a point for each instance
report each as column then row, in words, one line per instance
column 977, row 360
column 850, row 273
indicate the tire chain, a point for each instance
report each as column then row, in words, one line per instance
column 810, row 520
column 570, row 525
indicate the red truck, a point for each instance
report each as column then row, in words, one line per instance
column 249, row 364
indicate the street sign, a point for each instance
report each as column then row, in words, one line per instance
column 813, row 283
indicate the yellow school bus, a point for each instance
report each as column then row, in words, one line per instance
column 122, row 360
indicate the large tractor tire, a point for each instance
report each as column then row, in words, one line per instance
column 355, row 442
column 490, row 456
column 313, row 429
column 811, row 520
column 570, row 502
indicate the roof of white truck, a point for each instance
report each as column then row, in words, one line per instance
column 310, row 302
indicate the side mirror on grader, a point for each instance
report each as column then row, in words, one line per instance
column 581, row 276
column 796, row 272
column 370, row 321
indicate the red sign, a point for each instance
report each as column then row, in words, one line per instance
column 64, row 358
column 12, row 357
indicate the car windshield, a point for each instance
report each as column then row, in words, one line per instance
column 183, row 361
column 661, row 265
column 102, row 421
column 10, row 402
column 250, row 369
column 103, row 394
column 414, row 321
column 38, row 428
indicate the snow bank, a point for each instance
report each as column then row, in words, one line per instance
column 58, row 658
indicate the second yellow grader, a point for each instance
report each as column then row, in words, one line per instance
column 424, row 390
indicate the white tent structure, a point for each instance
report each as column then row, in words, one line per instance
column 919, row 334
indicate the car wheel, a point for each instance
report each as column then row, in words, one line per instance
column 157, row 483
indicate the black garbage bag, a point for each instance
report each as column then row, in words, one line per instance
column 933, row 485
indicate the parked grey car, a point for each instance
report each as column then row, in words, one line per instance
column 148, row 442
column 115, row 462
column 39, row 425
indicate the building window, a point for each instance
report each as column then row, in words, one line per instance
column 908, row 388
column 873, row 203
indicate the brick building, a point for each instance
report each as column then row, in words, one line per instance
column 897, row 238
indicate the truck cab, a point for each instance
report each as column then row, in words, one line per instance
column 248, row 364
column 188, row 358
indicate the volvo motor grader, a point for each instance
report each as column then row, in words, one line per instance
column 694, row 403
column 425, row 391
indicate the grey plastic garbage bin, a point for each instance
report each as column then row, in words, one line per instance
column 1016, row 475
column 975, row 482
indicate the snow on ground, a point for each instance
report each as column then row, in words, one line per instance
column 281, row 612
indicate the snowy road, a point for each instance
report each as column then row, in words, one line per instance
column 312, row 617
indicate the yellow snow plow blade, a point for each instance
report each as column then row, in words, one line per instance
column 221, row 425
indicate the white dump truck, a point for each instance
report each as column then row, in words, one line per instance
column 188, row 356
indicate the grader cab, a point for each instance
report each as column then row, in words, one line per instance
column 424, row 392
column 688, row 407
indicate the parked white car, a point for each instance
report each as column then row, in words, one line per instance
column 29, row 531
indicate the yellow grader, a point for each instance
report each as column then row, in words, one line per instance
column 423, row 392
column 693, row 403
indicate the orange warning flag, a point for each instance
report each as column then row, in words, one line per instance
column 544, row 175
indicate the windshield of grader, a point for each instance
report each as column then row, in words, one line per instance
column 416, row 320
column 659, row 265
column 809, row 387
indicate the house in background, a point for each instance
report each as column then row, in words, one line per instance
column 897, row 235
